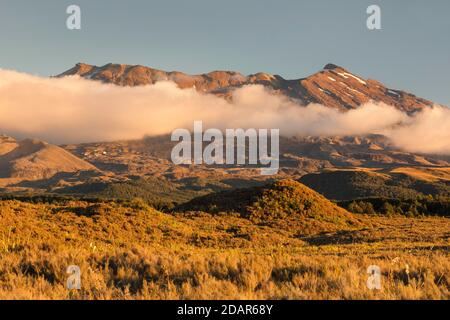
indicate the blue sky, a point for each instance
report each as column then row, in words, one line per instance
column 291, row 38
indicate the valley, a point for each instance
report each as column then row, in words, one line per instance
column 352, row 166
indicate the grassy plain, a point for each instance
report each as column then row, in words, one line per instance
column 132, row 251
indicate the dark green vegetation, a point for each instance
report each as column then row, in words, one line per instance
column 245, row 197
column 349, row 185
column 280, row 200
column 157, row 191
column 420, row 206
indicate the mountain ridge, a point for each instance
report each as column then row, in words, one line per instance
column 333, row 86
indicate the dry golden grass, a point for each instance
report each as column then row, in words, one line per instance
column 135, row 252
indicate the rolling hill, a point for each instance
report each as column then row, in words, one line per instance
column 282, row 201
column 31, row 160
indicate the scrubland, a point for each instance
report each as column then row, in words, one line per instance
column 132, row 251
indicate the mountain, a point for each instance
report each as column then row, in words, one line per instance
column 333, row 86
column 31, row 160
column 137, row 168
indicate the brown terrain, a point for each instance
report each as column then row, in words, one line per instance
column 40, row 167
column 31, row 160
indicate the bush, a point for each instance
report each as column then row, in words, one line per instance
column 420, row 206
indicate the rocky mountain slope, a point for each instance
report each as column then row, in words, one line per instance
column 333, row 86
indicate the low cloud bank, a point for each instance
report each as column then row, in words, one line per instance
column 73, row 109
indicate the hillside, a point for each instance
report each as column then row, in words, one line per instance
column 143, row 165
column 31, row 160
column 142, row 168
column 298, row 155
column 354, row 184
column 279, row 202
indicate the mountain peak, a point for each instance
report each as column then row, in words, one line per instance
column 332, row 66
column 82, row 64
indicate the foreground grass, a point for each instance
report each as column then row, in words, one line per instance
column 135, row 252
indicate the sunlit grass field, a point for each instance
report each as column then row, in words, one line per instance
column 132, row 251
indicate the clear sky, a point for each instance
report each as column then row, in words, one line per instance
column 293, row 38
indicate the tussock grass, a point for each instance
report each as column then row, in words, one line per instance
column 135, row 252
